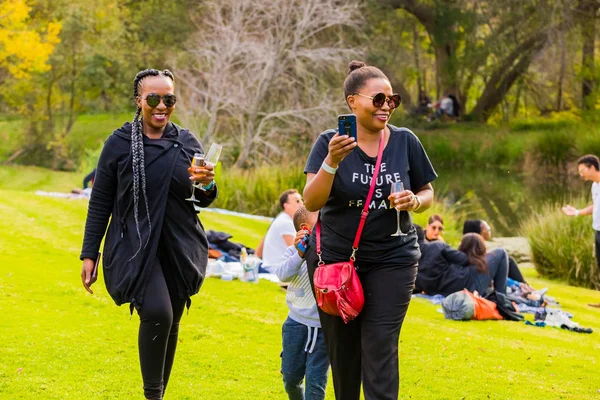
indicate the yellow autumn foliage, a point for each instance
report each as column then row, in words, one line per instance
column 24, row 49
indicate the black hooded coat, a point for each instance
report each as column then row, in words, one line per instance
column 176, row 236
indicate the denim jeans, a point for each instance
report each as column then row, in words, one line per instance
column 297, row 361
column 497, row 261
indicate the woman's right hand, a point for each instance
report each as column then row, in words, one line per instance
column 86, row 274
column 339, row 148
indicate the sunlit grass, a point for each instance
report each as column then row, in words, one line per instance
column 60, row 342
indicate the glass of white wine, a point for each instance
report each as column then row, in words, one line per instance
column 197, row 161
column 397, row 187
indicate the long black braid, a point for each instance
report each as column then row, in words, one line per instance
column 137, row 153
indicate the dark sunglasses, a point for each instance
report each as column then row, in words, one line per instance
column 393, row 101
column 153, row 100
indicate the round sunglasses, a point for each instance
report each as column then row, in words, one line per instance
column 153, row 100
column 393, row 101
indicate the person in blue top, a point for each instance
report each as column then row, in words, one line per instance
column 339, row 171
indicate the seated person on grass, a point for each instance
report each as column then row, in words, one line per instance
column 304, row 352
column 483, row 228
column 89, row 178
column 471, row 268
column 281, row 232
column 434, row 228
column 431, row 265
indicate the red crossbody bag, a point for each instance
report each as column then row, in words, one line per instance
column 337, row 287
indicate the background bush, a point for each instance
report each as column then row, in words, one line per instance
column 563, row 247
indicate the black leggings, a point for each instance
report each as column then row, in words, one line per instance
column 514, row 272
column 366, row 349
column 159, row 326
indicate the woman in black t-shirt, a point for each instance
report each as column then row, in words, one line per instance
column 339, row 171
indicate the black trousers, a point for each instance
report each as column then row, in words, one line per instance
column 514, row 272
column 159, row 327
column 366, row 349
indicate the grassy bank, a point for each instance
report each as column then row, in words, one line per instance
column 60, row 342
column 88, row 133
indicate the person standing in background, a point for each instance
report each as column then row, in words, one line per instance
column 588, row 167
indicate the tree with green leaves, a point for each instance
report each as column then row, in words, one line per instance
column 482, row 47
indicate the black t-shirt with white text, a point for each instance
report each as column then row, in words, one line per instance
column 404, row 159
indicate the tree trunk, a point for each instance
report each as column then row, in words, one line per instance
column 50, row 115
column 416, row 45
column 250, row 133
column 515, row 110
column 505, row 75
column 441, row 32
column 446, row 67
column 561, row 74
column 212, row 122
column 73, row 95
column 588, row 10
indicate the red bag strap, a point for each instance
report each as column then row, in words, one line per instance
column 365, row 211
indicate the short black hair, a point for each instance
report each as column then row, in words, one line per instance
column 283, row 198
column 590, row 160
column 472, row 226
column 300, row 217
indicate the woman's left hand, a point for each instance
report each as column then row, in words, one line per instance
column 203, row 175
column 403, row 201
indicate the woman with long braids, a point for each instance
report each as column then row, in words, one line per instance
column 155, row 250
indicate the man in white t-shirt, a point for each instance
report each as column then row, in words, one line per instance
column 589, row 170
column 281, row 233
column 447, row 106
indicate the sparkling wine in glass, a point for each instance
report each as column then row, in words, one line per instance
column 397, row 187
column 197, row 161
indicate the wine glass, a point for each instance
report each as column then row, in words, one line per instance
column 197, row 161
column 397, row 187
column 214, row 152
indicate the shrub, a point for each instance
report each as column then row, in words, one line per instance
column 257, row 190
column 554, row 148
column 554, row 121
column 562, row 247
column 590, row 143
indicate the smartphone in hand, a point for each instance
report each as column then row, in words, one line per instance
column 347, row 125
column 95, row 270
column 304, row 242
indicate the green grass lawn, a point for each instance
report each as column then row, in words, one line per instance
column 59, row 342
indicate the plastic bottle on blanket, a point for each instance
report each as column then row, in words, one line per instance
column 249, row 266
